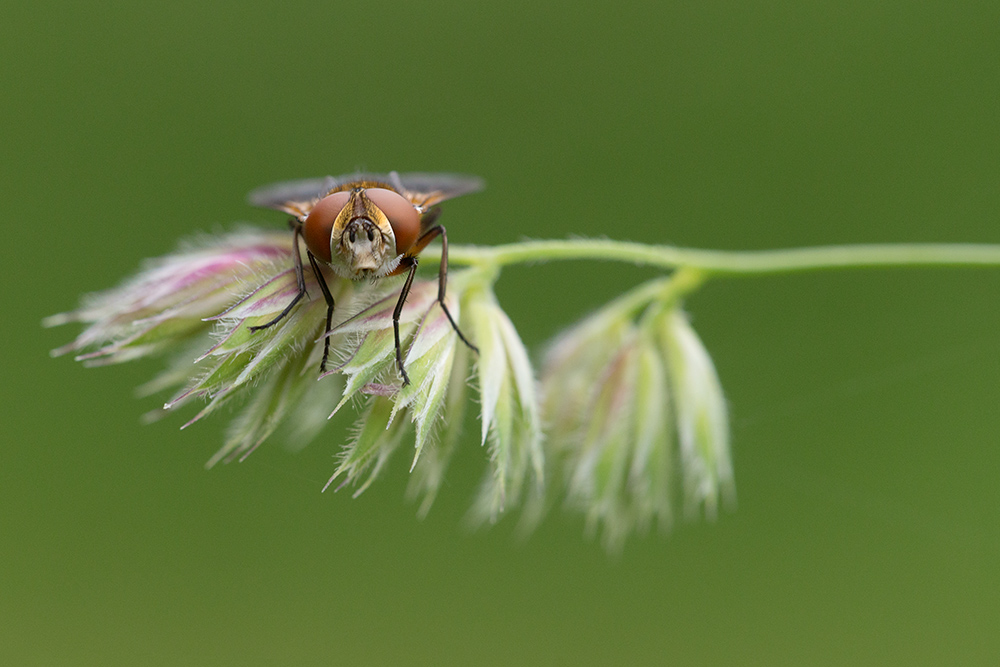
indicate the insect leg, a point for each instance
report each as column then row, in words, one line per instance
column 300, row 278
column 410, row 262
column 329, row 309
column 421, row 243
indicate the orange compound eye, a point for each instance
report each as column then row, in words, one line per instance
column 319, row 224
column 403, row 218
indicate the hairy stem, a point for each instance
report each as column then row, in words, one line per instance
column 732, row 263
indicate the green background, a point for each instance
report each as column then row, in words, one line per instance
column 864, row 404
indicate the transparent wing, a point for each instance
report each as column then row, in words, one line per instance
column 295, row 197
column 426, row 190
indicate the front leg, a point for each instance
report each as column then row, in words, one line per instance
column 329, row 309
column 411, row 263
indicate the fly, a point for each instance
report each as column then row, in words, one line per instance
column 366, row 227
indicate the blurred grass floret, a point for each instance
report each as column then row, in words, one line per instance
column 633, row 403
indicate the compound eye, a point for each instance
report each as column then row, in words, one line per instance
column 403, row 218
column 319, row 223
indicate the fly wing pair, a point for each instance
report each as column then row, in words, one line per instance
column 422, row 190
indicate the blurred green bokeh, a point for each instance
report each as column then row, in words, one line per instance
column 864, row 404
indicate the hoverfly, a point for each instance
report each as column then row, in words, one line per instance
column 366, row 226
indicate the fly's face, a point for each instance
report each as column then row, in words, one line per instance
column 361, row 240
column 361, row 231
